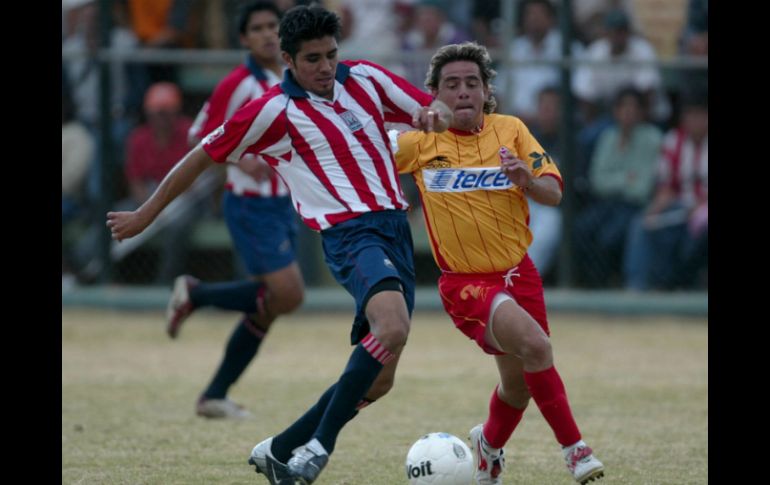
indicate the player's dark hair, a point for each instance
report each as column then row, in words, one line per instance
column 245, row 12
column 303, row 23
column 467, row 51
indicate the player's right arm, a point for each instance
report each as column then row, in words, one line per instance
column 127, row 224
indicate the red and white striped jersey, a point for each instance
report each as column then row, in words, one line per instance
column 684, row 167
column 244, row 83
column 335, row 155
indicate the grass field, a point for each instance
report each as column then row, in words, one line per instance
column 638, row 389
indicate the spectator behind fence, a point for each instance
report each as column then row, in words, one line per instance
column 432, row 29
column 545, row 220
column 621, row 177
column 665, row 248
column 77, row 153
column 540, row 41
column 598, row 84
column 152, row 150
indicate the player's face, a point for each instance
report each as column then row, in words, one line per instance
column 261, row 36
column 461, row 88
column 315, row 65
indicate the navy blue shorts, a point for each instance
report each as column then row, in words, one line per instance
column 363, row 251
column 263, row 230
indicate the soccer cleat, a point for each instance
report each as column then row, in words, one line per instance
column 220, row 408
column 582, row 464
column 489, row 464
column 262, row 458
column 179, row 306
column 308, row 461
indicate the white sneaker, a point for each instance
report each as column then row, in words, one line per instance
column 582, row 464
column 262, row 458
column 179, row 305
column 220, row 408
column 308, row 462
column 489, row 461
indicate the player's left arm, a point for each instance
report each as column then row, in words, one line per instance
column 537, row 175
column 545, row 190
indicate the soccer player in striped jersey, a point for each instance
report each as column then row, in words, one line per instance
column 323, row 129
column 259, row 215
column 474, row 180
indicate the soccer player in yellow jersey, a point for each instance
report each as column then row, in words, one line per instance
column 474, row 180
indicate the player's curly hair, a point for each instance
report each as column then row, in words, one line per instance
column 467, row 51
column 303, row 23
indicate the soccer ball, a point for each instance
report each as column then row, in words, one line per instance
column 439, row 459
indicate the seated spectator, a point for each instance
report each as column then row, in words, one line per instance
column 666, row 244
column 540, row 41
column 151, row 152
column 431, row 30
column 621, row 178
column 545, row 221
column 598, row 84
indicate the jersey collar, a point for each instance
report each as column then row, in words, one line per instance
column 255, row 69
column 289, row 84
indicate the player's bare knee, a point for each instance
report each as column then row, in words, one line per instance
column 291, row 299
column 393, row 334
column 284, row 299
column 537, row 352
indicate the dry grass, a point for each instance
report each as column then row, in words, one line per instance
column 638, row 387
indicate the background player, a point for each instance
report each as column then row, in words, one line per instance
column 258, row 211
column 474, row 180
column 323, row 130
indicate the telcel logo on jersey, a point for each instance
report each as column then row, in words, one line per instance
column 465, row 179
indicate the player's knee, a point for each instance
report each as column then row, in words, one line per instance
column 393, row 334
column 285, row 298
column 537, row 351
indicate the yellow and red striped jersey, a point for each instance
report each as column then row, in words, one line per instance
column 477, row 220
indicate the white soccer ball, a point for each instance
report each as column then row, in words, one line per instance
column 439, row 459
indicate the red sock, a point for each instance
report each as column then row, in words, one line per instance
column 501, row 422
column 549, row 394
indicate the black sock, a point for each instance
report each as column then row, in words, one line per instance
column 302, row 430
column 230, row 295
column 360, row 373
column 241, row 349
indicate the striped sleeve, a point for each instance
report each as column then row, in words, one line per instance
column 259, row 124
column 399, row 97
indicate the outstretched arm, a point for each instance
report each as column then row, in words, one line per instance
column 127, row 224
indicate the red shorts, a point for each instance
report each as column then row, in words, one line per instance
column 467, row 298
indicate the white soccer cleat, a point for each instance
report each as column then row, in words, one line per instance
column 489, row 461
column 582, row 464
column 220, row 408
column 262, row 458
column 308, row 462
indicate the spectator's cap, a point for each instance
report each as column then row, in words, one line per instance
column 617, row 19
column 163, row 96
